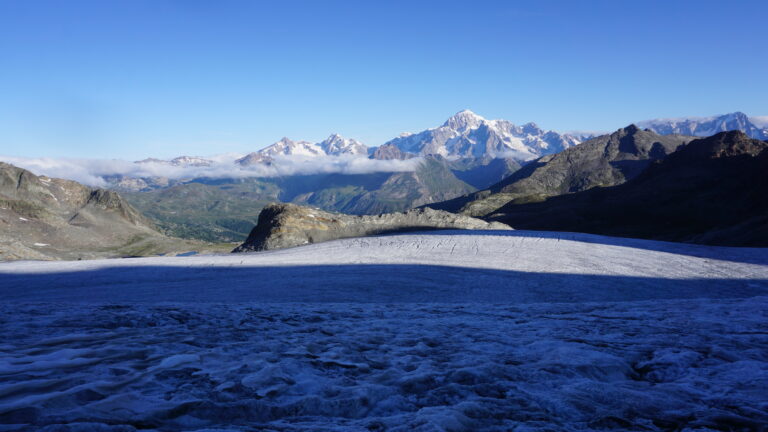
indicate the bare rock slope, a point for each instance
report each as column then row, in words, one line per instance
column 48, row 218
column 287, row 225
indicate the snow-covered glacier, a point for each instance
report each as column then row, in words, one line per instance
column 453, row 331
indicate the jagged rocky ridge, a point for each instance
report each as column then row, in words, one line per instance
column 711, row 191
column 287, row 225
column 708, row 126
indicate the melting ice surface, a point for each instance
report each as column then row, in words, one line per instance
column 646, row 336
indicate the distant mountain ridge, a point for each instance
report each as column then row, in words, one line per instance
column 334, row 145
column 708, row 126
column 181, row 161
column 469, row 135
column 463, row 135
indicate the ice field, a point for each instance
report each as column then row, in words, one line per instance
column 453, row 331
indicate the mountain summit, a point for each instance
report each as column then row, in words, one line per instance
column 464, row 120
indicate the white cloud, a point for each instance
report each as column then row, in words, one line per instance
column 759, row 121
column 93, row 171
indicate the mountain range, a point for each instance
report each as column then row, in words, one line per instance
column 455, row 159
column 334, row 145
column 707, row 126
column 470, row 136
column 464, row 135
column 464, row 154
column 468, row 164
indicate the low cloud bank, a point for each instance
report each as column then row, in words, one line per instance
column 759, row 121
column 94, row 171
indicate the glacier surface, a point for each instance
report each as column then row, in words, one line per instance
column 442, row 331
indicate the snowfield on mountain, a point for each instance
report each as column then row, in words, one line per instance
column 446, row 330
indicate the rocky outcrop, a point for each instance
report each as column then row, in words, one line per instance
column 287, row 225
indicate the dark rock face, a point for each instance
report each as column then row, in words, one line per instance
column 287, row 225
column 711, row 191
column 607, row 160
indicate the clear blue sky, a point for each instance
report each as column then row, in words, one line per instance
column 135, row 78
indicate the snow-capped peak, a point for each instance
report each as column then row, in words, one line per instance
column 336, row 145
column 288, row 147
column 532, row 128
column 464, row 120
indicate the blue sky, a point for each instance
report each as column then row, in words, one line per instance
column 130, row 79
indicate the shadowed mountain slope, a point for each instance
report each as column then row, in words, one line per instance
column 711, row 191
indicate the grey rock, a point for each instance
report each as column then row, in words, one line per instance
column 288, row 225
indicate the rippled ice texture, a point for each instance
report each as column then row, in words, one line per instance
column 657, row 365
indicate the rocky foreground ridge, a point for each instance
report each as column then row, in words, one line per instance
column 288, row 225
